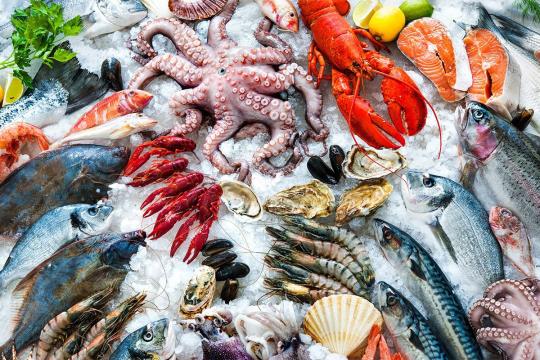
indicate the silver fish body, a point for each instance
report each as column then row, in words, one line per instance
column 424, row 278
column 409, row 329
column 108, row 16
column 461, row 223
column 153, row 341
column 49, row 233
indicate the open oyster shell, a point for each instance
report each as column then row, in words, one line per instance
column 240, row 199
column 359, row 166
column 199, row 292
column 362, row 199
column 309, row 200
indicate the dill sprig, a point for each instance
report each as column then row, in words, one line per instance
column 529, row 8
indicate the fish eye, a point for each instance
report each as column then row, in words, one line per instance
column 478, row 115
column 92, row 211
column 391, row 300
column 291, row 14
column 148, row 336
column 505, row 213
column 131, row 93
column 387, row 234
column 428, row 182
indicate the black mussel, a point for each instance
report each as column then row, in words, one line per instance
column 218, row 260
column 522, row 119
column 232, row 271
column 230, row 290
column 320, row 171
column 216, row 246
column 111, row 71
column 337, row 156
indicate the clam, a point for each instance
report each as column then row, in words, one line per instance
column 309, row 200
column 376, row 164
column 199, row 292
column 240, row 199
column 362, row 199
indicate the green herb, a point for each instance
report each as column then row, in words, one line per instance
column 529, row 8
column 39, row 28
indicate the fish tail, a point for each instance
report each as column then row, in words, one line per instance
column 7, row 351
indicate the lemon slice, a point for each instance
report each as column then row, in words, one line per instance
column 363, row 11
column 14, row 90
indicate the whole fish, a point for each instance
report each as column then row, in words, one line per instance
column 118, row 128
column 513, row 238
column 280, row 12
column 501, row 164
column 78, row 270
column 519, row 35
column 69, row 175
column 50, row 232
column 153, row 341
column 409, row 329
column 461, row 224
column 424, row 278
column 118, row 104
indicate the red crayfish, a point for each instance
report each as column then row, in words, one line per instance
column 185, row 197
column 350, row 58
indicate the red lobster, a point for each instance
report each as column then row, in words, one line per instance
column 335, row 40
column 184, row 198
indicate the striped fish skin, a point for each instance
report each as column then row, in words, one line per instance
column 409, row 329
column 424, row 278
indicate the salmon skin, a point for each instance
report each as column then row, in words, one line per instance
column 439, row 55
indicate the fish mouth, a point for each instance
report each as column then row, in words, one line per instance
column 461, row 118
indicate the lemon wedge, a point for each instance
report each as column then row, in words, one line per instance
column 363, row 11
column 14, row 90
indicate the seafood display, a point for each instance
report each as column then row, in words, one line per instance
column 362, row 200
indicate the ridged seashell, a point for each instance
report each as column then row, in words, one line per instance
column 377, row 164
column 240, row 199
column 342, row 323
column 196, row 9
column 199, row 292
column 309, row 200
column 362, row 199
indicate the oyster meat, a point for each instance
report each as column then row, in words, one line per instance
column 309, row 200
column 199, row 292
column 376, row 164
column 240, row 199
column 362, row 200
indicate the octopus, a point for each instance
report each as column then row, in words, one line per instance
column 241, row 88
column 507, row 319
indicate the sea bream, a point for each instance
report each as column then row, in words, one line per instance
column 49, row 233
column 78, row 270
column 425, row 279
column 68, row 175
column 459, row 222
column 409, row 329
column 154, row 341
column 501, row 164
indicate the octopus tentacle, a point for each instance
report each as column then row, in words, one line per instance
column 518, row 291
column 217, row 30
column 266, row 38
column 500, row 338
column 220, row 133
column 171, row 65
column 261, row 56
column 262, row 82
column 500, row 313
column 192, row 122
column 183, row 37
column 185, row 103
column 275, row 147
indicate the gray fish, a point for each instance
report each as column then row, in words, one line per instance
column 108, row 16
column 501, row 164
column 154, row 341
column 424, row 278
column 49, row 233
column 78, row 270
column 519, row 35
column 409, row 329
column 461, row 223
column 68, row 175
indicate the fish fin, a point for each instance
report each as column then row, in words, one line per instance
column 443, row 238
column 83, row 86
column 76, row 221
column 521, row 36
column 486, row 22
column 417, row 270
column 20, row 294
column 468, row 172
column 535, row 139
column 415, row 340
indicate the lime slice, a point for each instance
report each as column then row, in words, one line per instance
column 416, row 9
column 363, row 11
column 14, row 90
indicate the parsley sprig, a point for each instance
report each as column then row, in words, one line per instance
column 39, row 28
column 529, row 8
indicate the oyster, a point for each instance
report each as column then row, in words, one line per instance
column 240, row 199
column 376, row 164
column 362, row 199
column 309, row 200
column 199, row 292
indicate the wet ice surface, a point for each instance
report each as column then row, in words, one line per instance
column 163, row 278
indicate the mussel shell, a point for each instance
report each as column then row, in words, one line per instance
column 320, row 171
column 337, row 157
column 230, row 290
column 232, row 271
column 218, row 260
column 216, row 246
column 111, row 71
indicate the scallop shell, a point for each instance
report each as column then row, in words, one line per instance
column 240, row 199
column 196, row 9
column 309, row 200
column 342, row 323
column 376, row 164
column 362, row 199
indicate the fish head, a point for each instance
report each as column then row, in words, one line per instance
column 107, row 160
column 478, row 130
column 425, row 193
column 502, row 219
column 134, row 123
column 287, row 18
column 393, row 308
column 153, row 341
column 134, row 100
column 117, row 252
column 96, row 217
column 122, row 13
column 393, row 244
